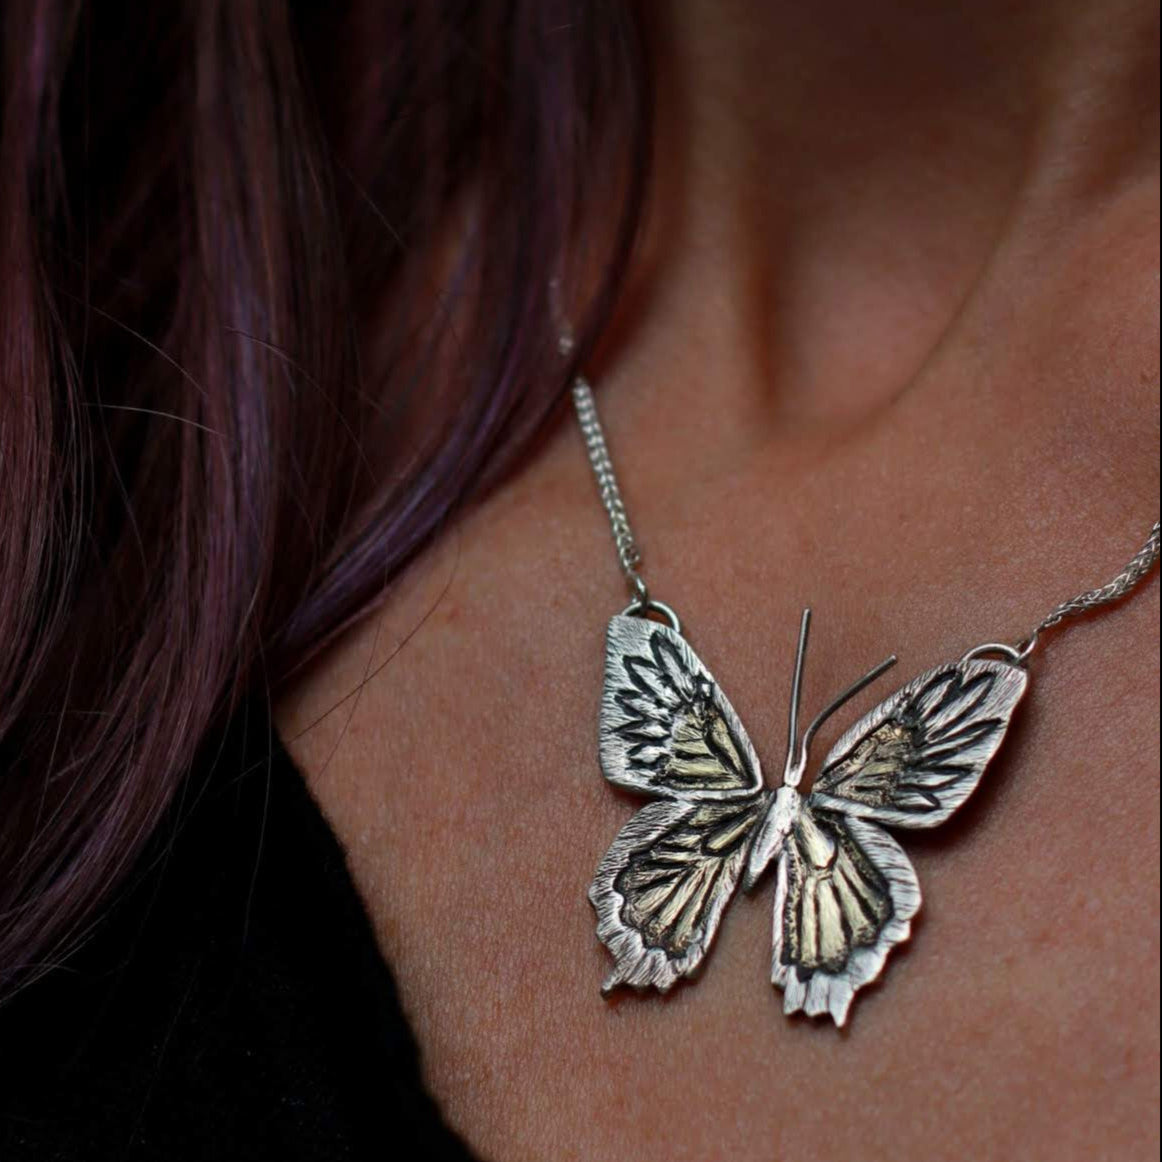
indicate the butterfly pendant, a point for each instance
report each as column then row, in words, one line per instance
column 845, row 891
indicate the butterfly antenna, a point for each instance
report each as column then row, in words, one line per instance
column 829, row 710
column 790, row 774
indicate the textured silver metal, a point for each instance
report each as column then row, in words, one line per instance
column 647, row 606
column 1016, row 655
column 846, row 892
column 666, row 727
column 668, row 732
column 931, row 741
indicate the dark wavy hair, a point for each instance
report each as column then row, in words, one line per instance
column 274, row 302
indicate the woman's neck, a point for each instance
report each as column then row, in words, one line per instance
column 832, row 179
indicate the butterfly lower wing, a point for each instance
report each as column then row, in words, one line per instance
column 667, row 730
column 663, row 885
column 845, row 896
column 846, row 891
column 917, row 757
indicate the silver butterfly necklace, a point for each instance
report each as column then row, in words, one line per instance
column 845, row 891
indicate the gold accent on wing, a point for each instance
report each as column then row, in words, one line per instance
column 662, row 887
column 837, row 900
column 666, row 728
column 846, row 896
column 667, row 887
column 871, row 772
column 917, row 757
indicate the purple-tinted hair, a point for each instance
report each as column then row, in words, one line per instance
column 274, row 302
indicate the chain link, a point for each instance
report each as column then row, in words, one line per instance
column 628, row 555
column 599, row 459
column 1139, row 566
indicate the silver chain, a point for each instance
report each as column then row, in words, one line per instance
column 599, row 459
column 1136, row 570
column 1139, row 566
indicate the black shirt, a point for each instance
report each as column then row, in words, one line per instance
column 231, row 1005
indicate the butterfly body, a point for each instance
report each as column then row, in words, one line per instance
column 785, row 809
column 845, row 892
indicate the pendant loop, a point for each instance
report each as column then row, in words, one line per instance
column 1026, row 648
column 648, row 606
column 1015, row 656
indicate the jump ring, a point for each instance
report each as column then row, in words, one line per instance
column 1014, row 656
column 644, row 608
column 1026, row 648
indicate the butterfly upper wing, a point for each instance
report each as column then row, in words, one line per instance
column 846, row 891
column 918, row 756
column 667, row 731
column 663, row 885
column 846, row 894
